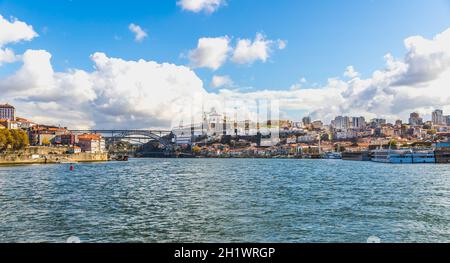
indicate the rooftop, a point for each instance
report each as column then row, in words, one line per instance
column 89, row 137
column 6, row 106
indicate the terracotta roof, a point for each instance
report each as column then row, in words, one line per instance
column 89, row 137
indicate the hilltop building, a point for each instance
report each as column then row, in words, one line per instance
column 7, row 112
column 437, row 117
column 415, row 119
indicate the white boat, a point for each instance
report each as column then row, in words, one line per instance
column 332, row 155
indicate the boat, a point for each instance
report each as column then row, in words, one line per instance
column 424, row 156
column 404, row 156
column 356, row 156
column 120, row 158
column 392, row 156
column 332, row 155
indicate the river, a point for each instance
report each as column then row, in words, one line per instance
column 225, row 200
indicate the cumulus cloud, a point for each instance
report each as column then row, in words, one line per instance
column 210, row 53
column 350, row 72
column 13, row 31
column 7, row 56
column 196, row 6
column 139, row 33
column 119, row 93
column 221, row 81
column 247, row 51
column 214, row 52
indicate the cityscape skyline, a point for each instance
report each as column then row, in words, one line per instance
column 45, row 70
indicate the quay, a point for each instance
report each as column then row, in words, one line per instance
column 49, row 155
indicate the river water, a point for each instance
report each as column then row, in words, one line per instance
column 225, row 200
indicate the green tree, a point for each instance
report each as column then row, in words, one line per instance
column 14, row 139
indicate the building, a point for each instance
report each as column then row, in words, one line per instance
column 65, row 139
column 11, row 125
column 415, row 119
column 24, row 123
column 92, row 143
column 341, row 123
column 317, row 125
column 75, row 149
column 437, row 117
column 45, row 135
column 358, row 123
column 377, row 123
column 306, row 121
column 7, row 112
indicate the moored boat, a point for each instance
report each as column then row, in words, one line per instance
column 356, row 156
column 332, row 155
column 392, row 156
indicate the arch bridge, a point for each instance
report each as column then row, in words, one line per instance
column 132, row 135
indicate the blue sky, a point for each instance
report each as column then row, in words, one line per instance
column 324, row 37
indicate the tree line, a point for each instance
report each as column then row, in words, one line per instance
column 13, row 139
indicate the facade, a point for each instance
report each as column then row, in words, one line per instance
column 317, row 125
column 39, row 135
column 358, row 123
column 306, row 121
column 437, row 117
column 415, row 119
column 7, row 112
column 377, row 123
column 341, row 123
column 11, row 125
column 93, row 143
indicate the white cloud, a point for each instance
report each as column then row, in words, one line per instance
column 214, row 52
column 210, row 53
column 144, row 94
column 248, row 52
column 118, row 93
column 282, row 44
column 350, row 72
column 196, row 6
column 7, row 56
column 13, row 31
column 221, row 81
column 139, row 33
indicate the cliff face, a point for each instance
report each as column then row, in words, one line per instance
column 42, row 155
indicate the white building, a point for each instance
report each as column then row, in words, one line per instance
column 341, row 123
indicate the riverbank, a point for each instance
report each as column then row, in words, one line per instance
column 49, row 155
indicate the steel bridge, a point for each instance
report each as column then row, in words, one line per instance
column 133, row 135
